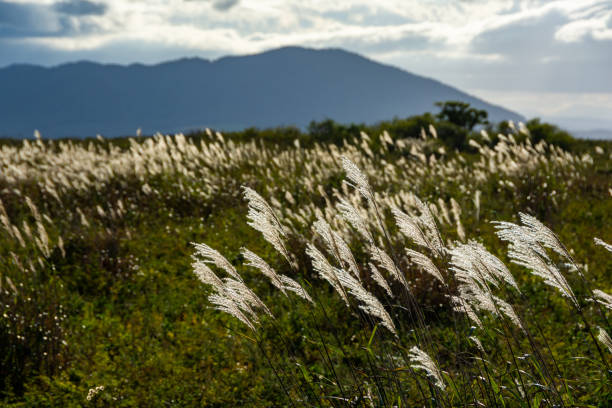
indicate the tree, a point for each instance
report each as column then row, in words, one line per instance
column 549, row 133
column 461, row 114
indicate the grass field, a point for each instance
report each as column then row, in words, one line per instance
column 97, row 282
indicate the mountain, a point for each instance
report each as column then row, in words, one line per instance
column 286, row 86
column 583, row 127
column 595, row 134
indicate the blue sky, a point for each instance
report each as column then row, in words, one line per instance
column 544, row 58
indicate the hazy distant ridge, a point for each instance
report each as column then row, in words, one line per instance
column 287, row 86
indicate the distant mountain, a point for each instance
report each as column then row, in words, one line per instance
column 286, row 86
column 597, row 134
column 599, row 128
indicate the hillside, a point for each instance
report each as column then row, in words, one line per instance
column 286, row 86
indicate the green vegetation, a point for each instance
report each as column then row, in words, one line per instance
column 97, row 286
column 461, row 114
column 454, row 124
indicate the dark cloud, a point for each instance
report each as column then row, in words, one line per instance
column 524, row 38
column 533, row 59
column 223, row 5
column 13, row 15
column 20, row 20
column 24, row 19
column 80, row 7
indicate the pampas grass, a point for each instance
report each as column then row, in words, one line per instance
column 373, row 276
column 476, row 285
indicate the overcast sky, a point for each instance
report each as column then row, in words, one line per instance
column 545, row 58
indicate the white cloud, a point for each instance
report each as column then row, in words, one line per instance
column 595, row 26
column 231, row 26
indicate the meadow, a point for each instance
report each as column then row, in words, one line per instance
column 358, row 267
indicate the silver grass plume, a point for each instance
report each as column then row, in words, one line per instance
column 230, row 295
column 532, row 256
column 603, row 298
column 433, row 132
column 370, row 304
column 223, row 298
column 246, row 295
column 228, row 306
column 460, row 305
column 385, row 262
column 352, row 216
column 477, row 195
column 473, row 259
column 425, row 263
column 281, row 282
column 485, row 135
column 357, row 179
column 456, row 211
column 493, row 265
column 473, row 290
column 526, row 249
column 325, row 270
column 292, row 286
column 477, row 342
column 83, row 219
column 5, row 219
column 605, row 339
column 234, row 295
column 206, row 275
column 443, row 211
column 603, row 244
column 506, row 309
column 429, row 225
column 411, row 229
column 477, row 296
column 253, row 260
column 544, row 235
column 379, row 279
column 517, row 234
column 213, row 256
column 337, row 246
column 467, row 267
column 262, row 218
column 423, row 362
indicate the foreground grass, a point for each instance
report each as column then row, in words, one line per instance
column 135, row 319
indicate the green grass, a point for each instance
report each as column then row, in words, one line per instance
column 138, row 322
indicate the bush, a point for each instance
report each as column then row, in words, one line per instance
column 549, row 133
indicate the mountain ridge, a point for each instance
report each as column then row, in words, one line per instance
column 283, row 86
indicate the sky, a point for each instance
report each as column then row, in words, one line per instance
column 551, row 59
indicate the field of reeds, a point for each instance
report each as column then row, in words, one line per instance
column 375, row 271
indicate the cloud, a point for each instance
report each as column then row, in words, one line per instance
column 80, row 7
column 26, row 19
column 219, row 5
column 535, row 58
column 598, row 27
column 223, row 5
column 36, row 21
column 498, row 44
